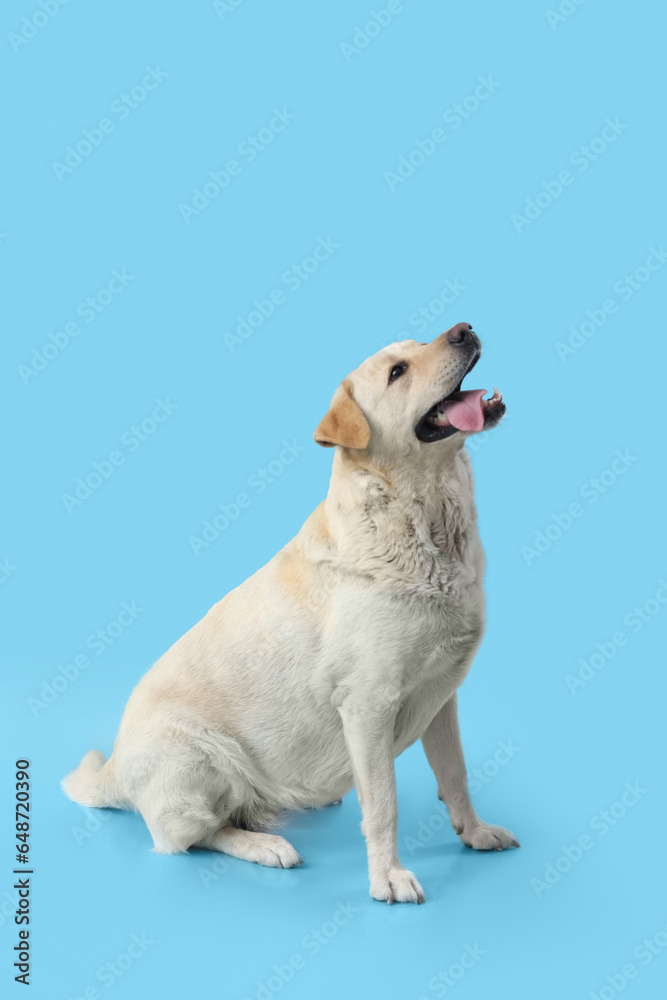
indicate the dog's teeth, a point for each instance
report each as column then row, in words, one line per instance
column 493, row 400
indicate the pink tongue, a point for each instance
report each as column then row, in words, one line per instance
column 465, row 412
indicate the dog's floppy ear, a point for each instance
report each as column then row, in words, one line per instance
column 344, row 423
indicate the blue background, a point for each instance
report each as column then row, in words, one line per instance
column 68, row 573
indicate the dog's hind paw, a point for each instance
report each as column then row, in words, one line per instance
column 273, row 851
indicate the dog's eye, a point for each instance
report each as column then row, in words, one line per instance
column 396, row 372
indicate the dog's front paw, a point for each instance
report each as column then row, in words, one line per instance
column 397, row 885
column 484, row 837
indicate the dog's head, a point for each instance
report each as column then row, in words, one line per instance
column 408, row 396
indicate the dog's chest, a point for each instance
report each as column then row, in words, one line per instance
column 433, row 669
column 403, row 646
column 442, row 637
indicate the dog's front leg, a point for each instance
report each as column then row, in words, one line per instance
column 370, row 738
column 442, row 743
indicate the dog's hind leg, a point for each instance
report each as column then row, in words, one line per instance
column 183, row 801
column 196, row 787
column 249, row 845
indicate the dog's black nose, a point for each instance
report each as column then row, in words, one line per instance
column 459, row 333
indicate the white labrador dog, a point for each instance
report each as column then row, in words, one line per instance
column 346, row 648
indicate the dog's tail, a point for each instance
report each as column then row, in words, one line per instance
column 93, row 783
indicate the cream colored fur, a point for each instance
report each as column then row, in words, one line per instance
column 346, row 648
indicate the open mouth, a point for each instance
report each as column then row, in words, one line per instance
column 462, row 410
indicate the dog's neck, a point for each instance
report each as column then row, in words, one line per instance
column 409, row 526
